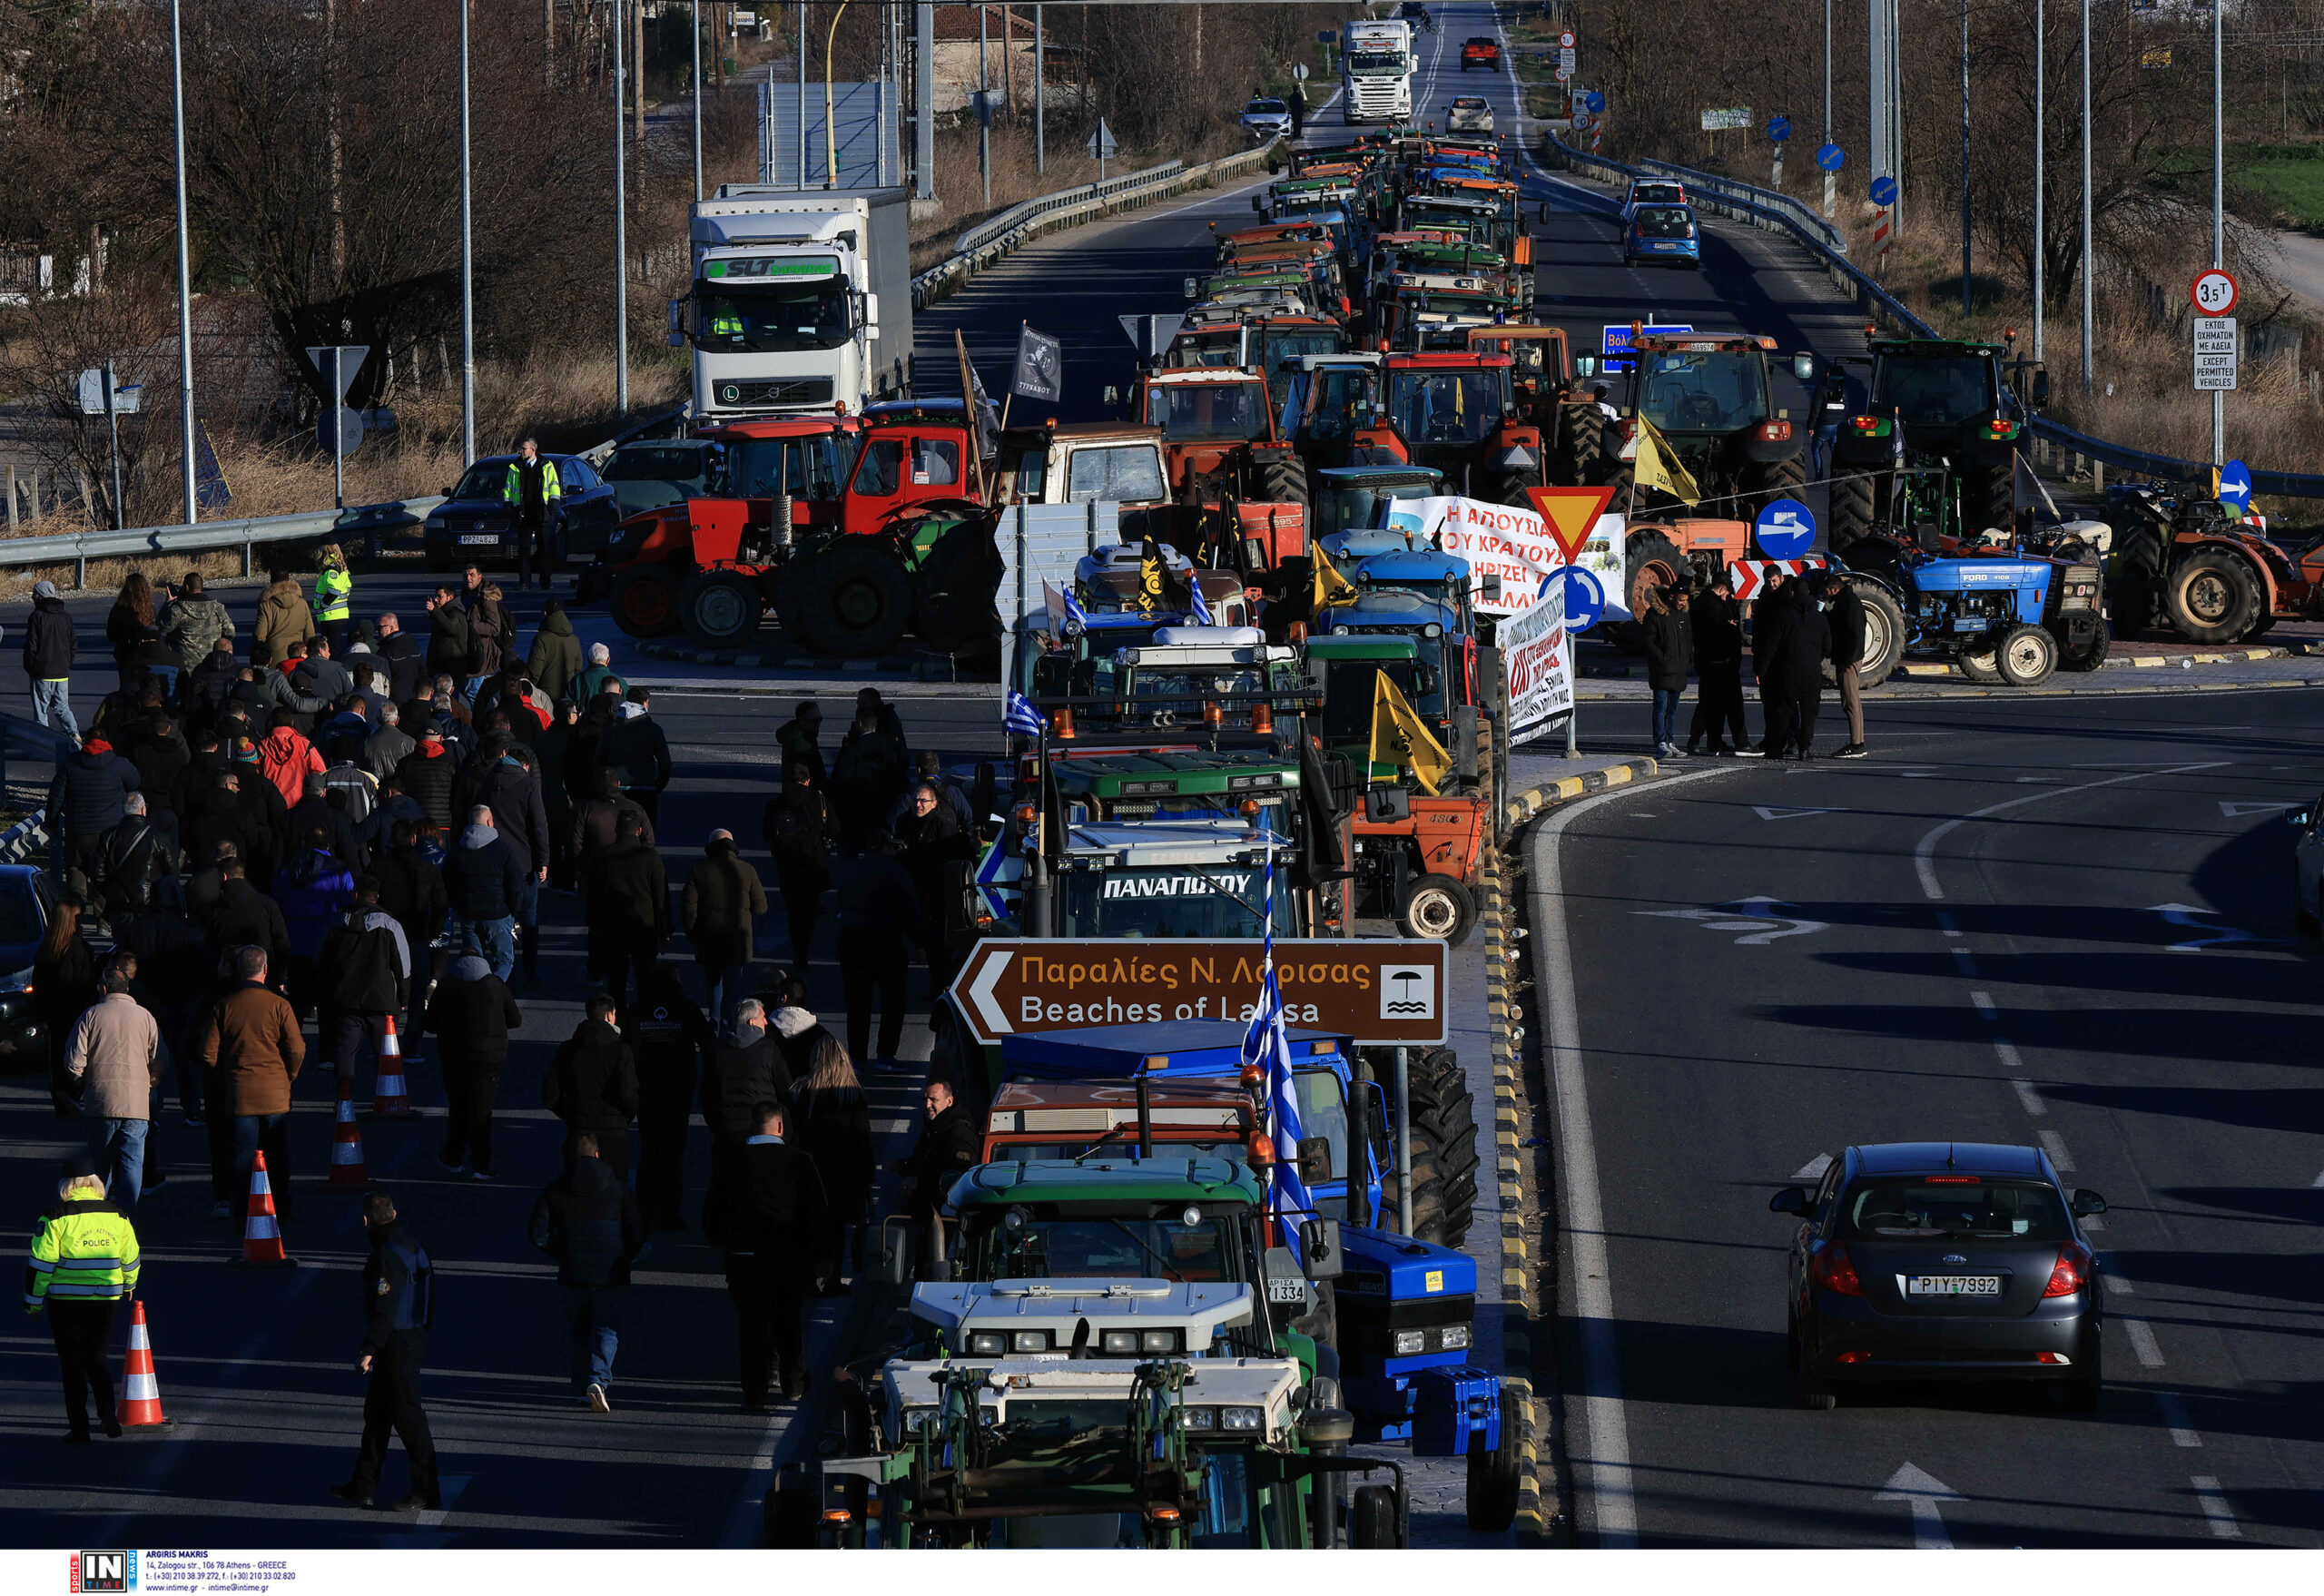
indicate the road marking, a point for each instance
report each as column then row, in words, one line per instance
column 1923, row 1492
column 2115, row 1279
column 1967, row 962
column 2008, row 1051
column 1944, row 923
column 2215, row 1508
column 2182, row 913
column 2030, row 1097
column 1985, row 1002
column 1775, row 812
column 2142, row 1343
column 1814, row 1168
column 2055, row 1146
column 2231, row 809
column 2174, row 1418
column 1610, row 1488
column 2318, row 1181
column 1763, row 923
column 1925, row 854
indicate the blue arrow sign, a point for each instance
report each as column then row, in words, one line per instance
column 1786, row 529
column 1585, row 597
column 1884, row 191
column 1779, row 128
column 2235, row 486
column 1830, row 158
column 1593, row 103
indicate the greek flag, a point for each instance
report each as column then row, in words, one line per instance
column 1018, row 714
column 1075, row 616
column 1197, row 611
column 1268, row 1045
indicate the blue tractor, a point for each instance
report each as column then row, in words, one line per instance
column 2001, row 616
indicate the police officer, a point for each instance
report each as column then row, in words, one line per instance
column 84, row 1261
column 332, row 602
column 400, row 1304
column 532, row 494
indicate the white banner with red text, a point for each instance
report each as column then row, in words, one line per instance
column 1537, row 652
column 1510, row 542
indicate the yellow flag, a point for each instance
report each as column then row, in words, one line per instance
column 1331, row 588
column 1658, row 467
column 1401, row 737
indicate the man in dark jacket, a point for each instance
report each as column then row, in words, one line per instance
column 587, row 1221
column 450, row 636
column 742, row 1073
column 412, row 889
column 485, row 879
column 208, row 684
column 508, row 787
column 157, row 747
column 428, row 771
column 625, row 897
column 407, row 661
column 592, row 1086
column 799, row 737
column 879, row 920
column 49, row 649
column 1805, row 643
column 87, row 796
column 597, row 821
column 776, row 1220
column 365, row 969
column 1771, row 618
column 398, row 1308
column 129, row 859
column 670, row 1036
column 316, row 812
column 471, row 1014
column 246, row 918
column 946, row 1150
column 633, row 746
column 1719, row 667
column 385, row 749
column 1846, row 617
column 796, row 826
column 1669, row 652
column 722, row 904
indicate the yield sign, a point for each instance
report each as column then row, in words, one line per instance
column 1569, row 512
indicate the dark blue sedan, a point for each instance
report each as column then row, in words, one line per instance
column 24, row 1042
column 472, row 525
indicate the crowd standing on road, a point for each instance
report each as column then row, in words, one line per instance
column 1800, row 627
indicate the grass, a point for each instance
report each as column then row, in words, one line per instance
column 2289, row 177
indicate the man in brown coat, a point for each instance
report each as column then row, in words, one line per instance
column 250, row 1043
column 723, row 900
column 283, row 618
column 116, row 1051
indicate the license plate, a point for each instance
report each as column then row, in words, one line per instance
column 1286, row 1291
column 1952, row 1285
column 466, row 537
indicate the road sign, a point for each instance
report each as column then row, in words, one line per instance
column 125, row 395
column 1566, row 40
column 2235, row 486
column 351, row 361
column 1594, row 101
column 1614, row 344
column 1786, row 529
column 2215, row 292
column 1327, row 35
column 1585, row 595
column 1779, row 128
column 1569, row 514
column 2215, row 353
column 1830, row 158
column 1565, row 62
column 350, row 429
column 1748, row 574
column 1727, row 121
column 1151, row 335
column 1884, row 191
column 1564, row 74
column 1381, row 991
column 1299, row 70
column 1101, row 145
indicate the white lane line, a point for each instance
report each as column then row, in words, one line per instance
column 2142, row 1343
column 2117, row 1283
column 2055, row 1146
column 1985, row 1002
column 2008, row 1051
column 2030, row 1099
column 2318, row 1181
column 1944, row 923
column 2215, row 1508
column 1967, row 962
column 2174, row 1418
column 1925, row 855
column 1814, row 1168
column 1611, row 1487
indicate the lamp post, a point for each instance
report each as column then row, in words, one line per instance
column 186, row 277
column 467, row 259
column 830, row 119
column 2089, row 273
column 2219, row 212
column 697, row 101
column 2041, row 167
column 1965, row 305
column 620, row 234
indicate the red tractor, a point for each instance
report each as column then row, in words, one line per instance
column 2186, row 563
column 1456, row 411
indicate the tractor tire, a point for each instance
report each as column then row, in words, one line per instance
column 645, row 601
column 1284, row 481
column 2090, row 655
column 1439, row 909
column 1443, row 1150
column 1980, row 664
column 1781, row 478
column 1883, row 636
column 2026, row 657
column 1649, row 559
column 1494, row 1476
column 1581, row 443
column 1850, row 510
column 2133, row 599
column 720, row 609
column 2212, row 598
column 851, row 597
column 1990, row 496
column 1512, row 492
column 2260, row 628
column 1373, row 1523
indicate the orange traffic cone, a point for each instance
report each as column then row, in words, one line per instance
column 393, row 1098
column 140, row 1394
column 347, row 1171
column 261, row 1237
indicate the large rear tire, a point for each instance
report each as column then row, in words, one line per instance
column 1494, row 1476
column 1990, row 495
column 1649, row 559
column 645, row 601
column 720, row 609
column 1284, row 481
column 2212, row 598
column 1581, row 442
column 1850, row 511
column 1782, row 478
column 851, row 597
column 1439, row 909
column 1884, row 635
column 1442, row 1152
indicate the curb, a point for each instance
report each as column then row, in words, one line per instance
column 901, row 667
column 1517, row 811
column 1632, row 671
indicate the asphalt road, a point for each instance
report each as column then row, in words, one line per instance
column 2062, row 922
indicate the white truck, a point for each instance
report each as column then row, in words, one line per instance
column 1376, row 66
column 802, row 300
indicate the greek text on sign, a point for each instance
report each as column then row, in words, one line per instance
column 1504, row 540
column 2215, row 334
column 1381, row 991
column 2215, row 354
column 1723, row 121
column 1536, row 652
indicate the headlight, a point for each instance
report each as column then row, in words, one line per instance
column 1454, row 1337
column 1157, row 1341
column 1030, row 1341
column 434, row 523
column 919, row 1418
column 1117, row 1341
column 1241, row 1418
column 1198, row 1418
column 1409, row 1342
column 986, row 1344
column 22, row 981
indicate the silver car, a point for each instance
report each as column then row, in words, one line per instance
column 1266, row 119
column 1469, row 114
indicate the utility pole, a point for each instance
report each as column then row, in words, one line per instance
column 621, row 232
column 467, row 261
column 2041, row 166
column 2089, row 275
column 185, row 272
column 984, row 103
column 2218, row 211
column 1965, row 304
column 1831, row 179
column 802, row 95
column 698, row 102
column 1040, row 128
column 923, row 97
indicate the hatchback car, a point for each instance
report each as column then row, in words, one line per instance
column 472, row 526
column 1662, row 235
column 1480, row 51
column 1652, row 191
column 1469, row 114
column 1266, row 119
column 1941, row 1261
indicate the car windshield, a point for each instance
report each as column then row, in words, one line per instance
column 1107, row 1250
column 1220, row 901
column 1186, row 410
column 1123, row 474
column 663, row 464
column 809, row 314
column 485, row 479
column 1941, row 391
column 811, row 468
column 1447, row 406
column 1690, row 390
column 1664, row 221
column 1338, row 390
column 1264, row 108
column 20, row 916
column 1955, row 1205
column 1028, row 1152
column 1279, row 347
column 1666, row 193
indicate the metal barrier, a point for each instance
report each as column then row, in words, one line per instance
column 1728, row 198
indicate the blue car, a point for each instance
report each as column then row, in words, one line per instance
column 24, row 1042
column 472, row 525
column 1662, row 235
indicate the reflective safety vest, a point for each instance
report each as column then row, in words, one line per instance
column 551, row 488
column 331, row 590
column 84, row 1252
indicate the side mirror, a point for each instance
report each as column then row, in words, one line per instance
column 1387, row 803
column 896, row 1251
column 2041, row 388
column 1258, row 204
column 2087, row 1202
column 1545, row 210
column 1803, row 366
column 1489, row 588
column 2297, row 817
column 1315, row 1159
column 1585, row 365
column 677, row 315
column 872, row 313
column 1113, row 394
column 1319, row 1242
column 1190, row 285
column 1255, row 555
column 1791, row 1199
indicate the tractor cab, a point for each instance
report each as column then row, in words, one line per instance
column 1323, row 401
column 1456, row 413
column 1350, row 501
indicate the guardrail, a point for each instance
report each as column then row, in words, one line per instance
column 990, row 241
column 1728, row 198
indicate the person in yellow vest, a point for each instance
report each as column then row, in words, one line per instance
column 84, row 1264
column 334, row 591
column 532, row 494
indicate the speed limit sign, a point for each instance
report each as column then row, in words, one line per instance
column 1565, row 40
column 2214, row 292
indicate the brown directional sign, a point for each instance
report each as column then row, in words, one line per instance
column 1380, row 992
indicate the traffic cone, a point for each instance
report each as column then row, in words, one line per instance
column 347, row 1171
column 393, row 1098
column 261, row 1237
column 140, row 1394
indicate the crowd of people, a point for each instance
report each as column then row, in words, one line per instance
column 345, row 830
column 1799, row 628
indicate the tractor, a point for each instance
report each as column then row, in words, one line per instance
column 1457, row 413
column 1218, row 432
column 1710, row 397
column 2189, row 563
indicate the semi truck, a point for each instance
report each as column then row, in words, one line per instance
column 802, row 300
column 1376, row 71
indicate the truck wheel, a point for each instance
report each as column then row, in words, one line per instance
column 2132, row 598
column 2212, row 598
column 2090, row 655
column 851, row 598
column 645, row 601
column 1373, row 1523
column 720, row 609
column 1980, row 663
column 1439, row 910
column 2026, row 657
column 1284, row 481
column 1850, row 511
column 1494, row 1476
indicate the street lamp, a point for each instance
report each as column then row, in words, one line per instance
column 2041, row 169
column 621, row 234
column 467, row 261
column 2088, row 274
column 1965, row 306
column 830, row 119
column 698, row 102
column 185, row 278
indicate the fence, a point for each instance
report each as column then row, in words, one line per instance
column 1759, row 206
